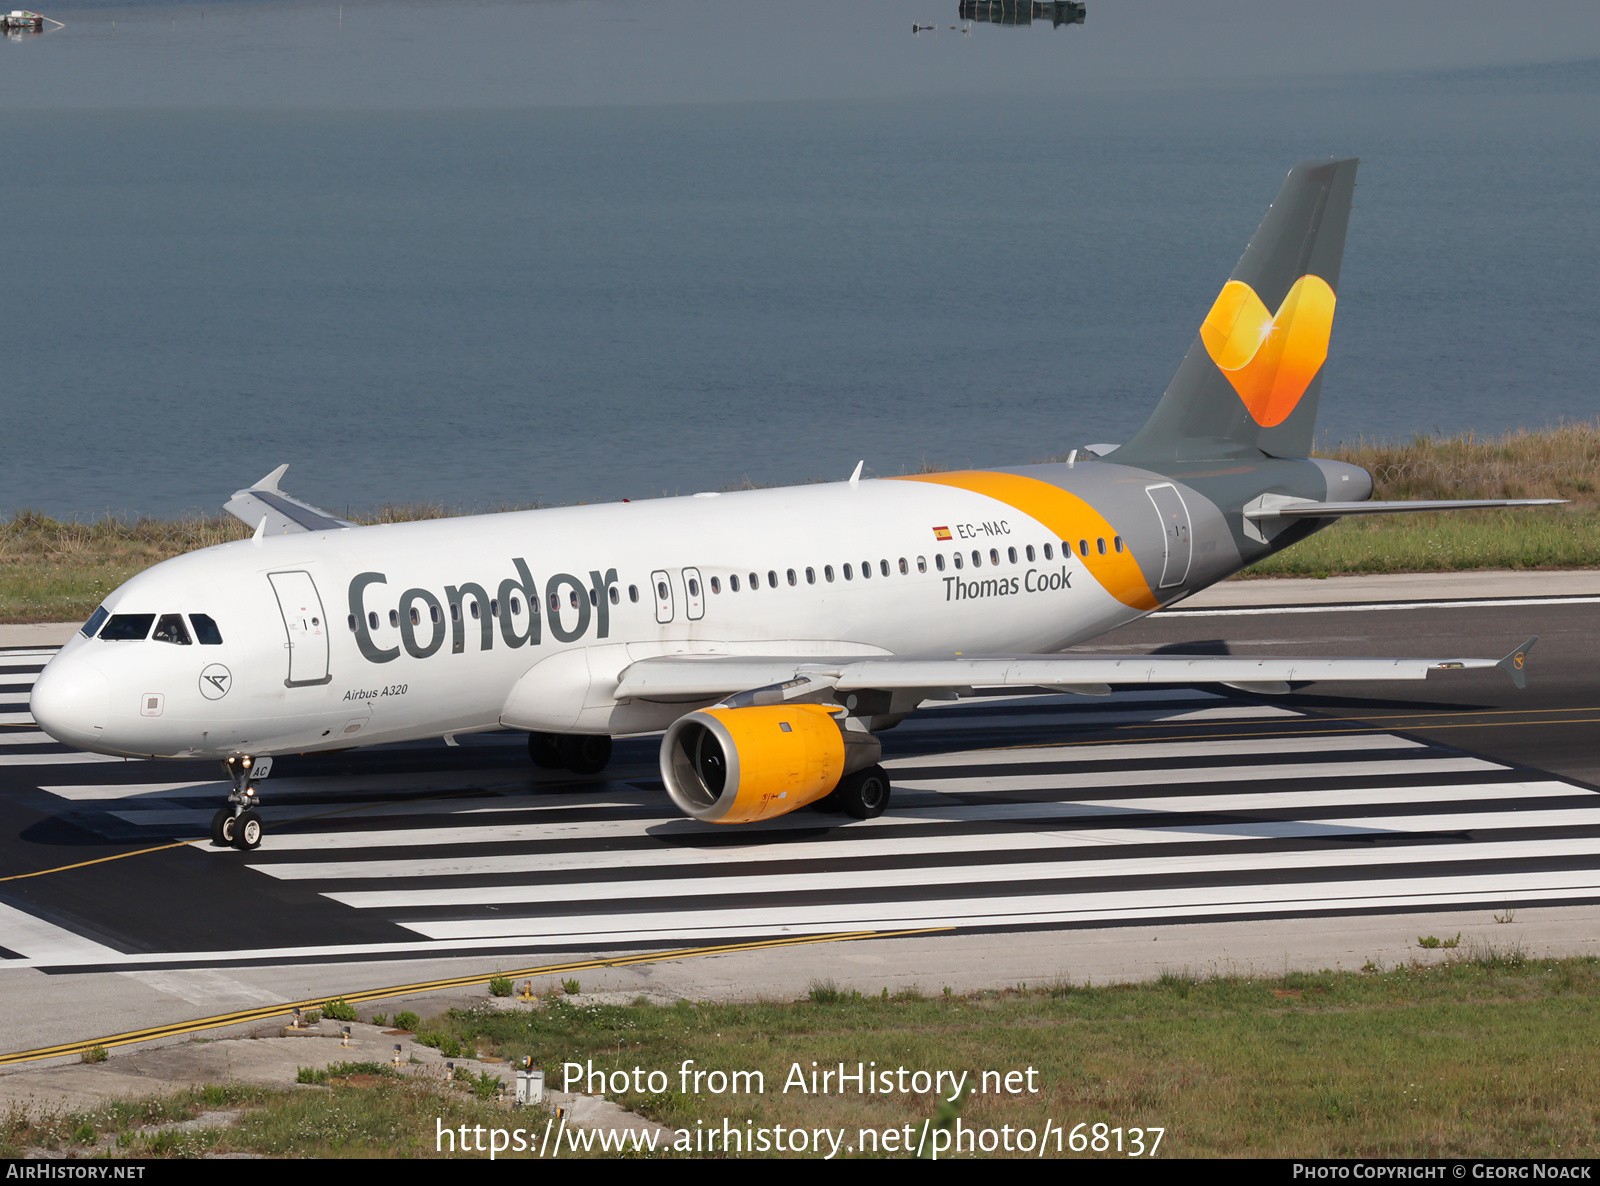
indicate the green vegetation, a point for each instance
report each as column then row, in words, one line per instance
column 500, row 986
column 1561, row 462
column 1473, row 1057
column 407, row 1020
column 340, row 1010
column 570, row 987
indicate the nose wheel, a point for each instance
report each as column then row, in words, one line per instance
column 238, row 825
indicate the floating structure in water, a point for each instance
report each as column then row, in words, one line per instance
column 1024, row 12
column 20, row 20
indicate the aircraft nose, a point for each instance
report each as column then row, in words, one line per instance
column 70, row 700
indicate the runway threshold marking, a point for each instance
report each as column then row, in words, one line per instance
column 266, row 1012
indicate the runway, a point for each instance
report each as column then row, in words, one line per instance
column 1017, row 814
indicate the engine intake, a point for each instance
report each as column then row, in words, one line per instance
column 735, row 765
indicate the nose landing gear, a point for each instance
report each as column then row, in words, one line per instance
column 239, row 824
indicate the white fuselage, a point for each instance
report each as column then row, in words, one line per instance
column 319, row 649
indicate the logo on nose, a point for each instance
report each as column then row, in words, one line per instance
column 215, row 681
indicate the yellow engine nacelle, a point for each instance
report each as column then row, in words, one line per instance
column 734, row 765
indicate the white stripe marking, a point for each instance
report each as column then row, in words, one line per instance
column 1067, row 780
column 667, row 828
column 601, row 860
column 668, row 889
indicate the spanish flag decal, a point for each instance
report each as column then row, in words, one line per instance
column 1270, row 358
column 941, row 533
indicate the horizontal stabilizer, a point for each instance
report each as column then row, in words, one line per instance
column 683, row 676
column 272, row 512
column 1307, row 509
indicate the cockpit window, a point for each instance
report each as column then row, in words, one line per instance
column 127, row 627
column 96, row 620
column 205, row 630
column 171, row 629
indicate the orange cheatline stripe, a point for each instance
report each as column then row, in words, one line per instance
column 1067, row 516
column 266, row 1012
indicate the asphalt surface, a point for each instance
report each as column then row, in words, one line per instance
column 1029, row 838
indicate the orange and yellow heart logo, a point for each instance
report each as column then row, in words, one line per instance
column 1270, row 358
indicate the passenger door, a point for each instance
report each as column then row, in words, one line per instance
column 306, row 627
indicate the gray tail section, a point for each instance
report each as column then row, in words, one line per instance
column 1201, row 417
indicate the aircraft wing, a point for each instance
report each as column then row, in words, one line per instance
column 683, row 676
column 272, row 512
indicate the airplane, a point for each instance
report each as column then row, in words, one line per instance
column 772, row 634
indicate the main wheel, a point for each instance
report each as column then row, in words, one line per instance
column 586, row 753
column 864, row 794
column 222, row 828
column 247, row 831
column 545, row 751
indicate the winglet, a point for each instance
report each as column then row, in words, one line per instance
column 1513, row 663
column 855, row 478
column 270, row 482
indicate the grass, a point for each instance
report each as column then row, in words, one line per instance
column 1562, row 462
column 52, row 571
column 1469, row 1058
column 1472, row 1057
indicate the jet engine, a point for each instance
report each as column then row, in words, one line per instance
column 735, row 765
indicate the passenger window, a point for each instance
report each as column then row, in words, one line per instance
column 661, row 591
column 977, row 558
column 866, row 570
column 883, row 566
column 433, row 613
column 372, row 618
column 994, row 557
column 633, row 593
column 922, row 564
column 904, row 567
column 849, row 573
column 352, row 623
column 1101, row 545
column 938, row 561
column 494, row 607
column 614, row 598
column 811, row 576
column 416, row 618
column 1049, row 552
column 694, row 587
column 1029, row 553
column 716, row 584
column 755, row 582
column 477, row 609
column 793, row 580
column 772, row 578
column 207, row 634
column 827, row 573
column 128, row 627
column 1011, row 555
column 1117, row 542
column 455, row 611
column 733, row 582
column 572, row 599
column 394, row 617
column 171, row 629
column 955, row 558
column 96, row 620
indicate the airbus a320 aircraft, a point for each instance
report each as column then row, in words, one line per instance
column 771, row 633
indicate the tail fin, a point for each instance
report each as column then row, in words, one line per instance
column 1250, row 383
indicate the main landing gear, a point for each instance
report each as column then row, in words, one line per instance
column 581, row 753
column 238, row 825
column 863, row 794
